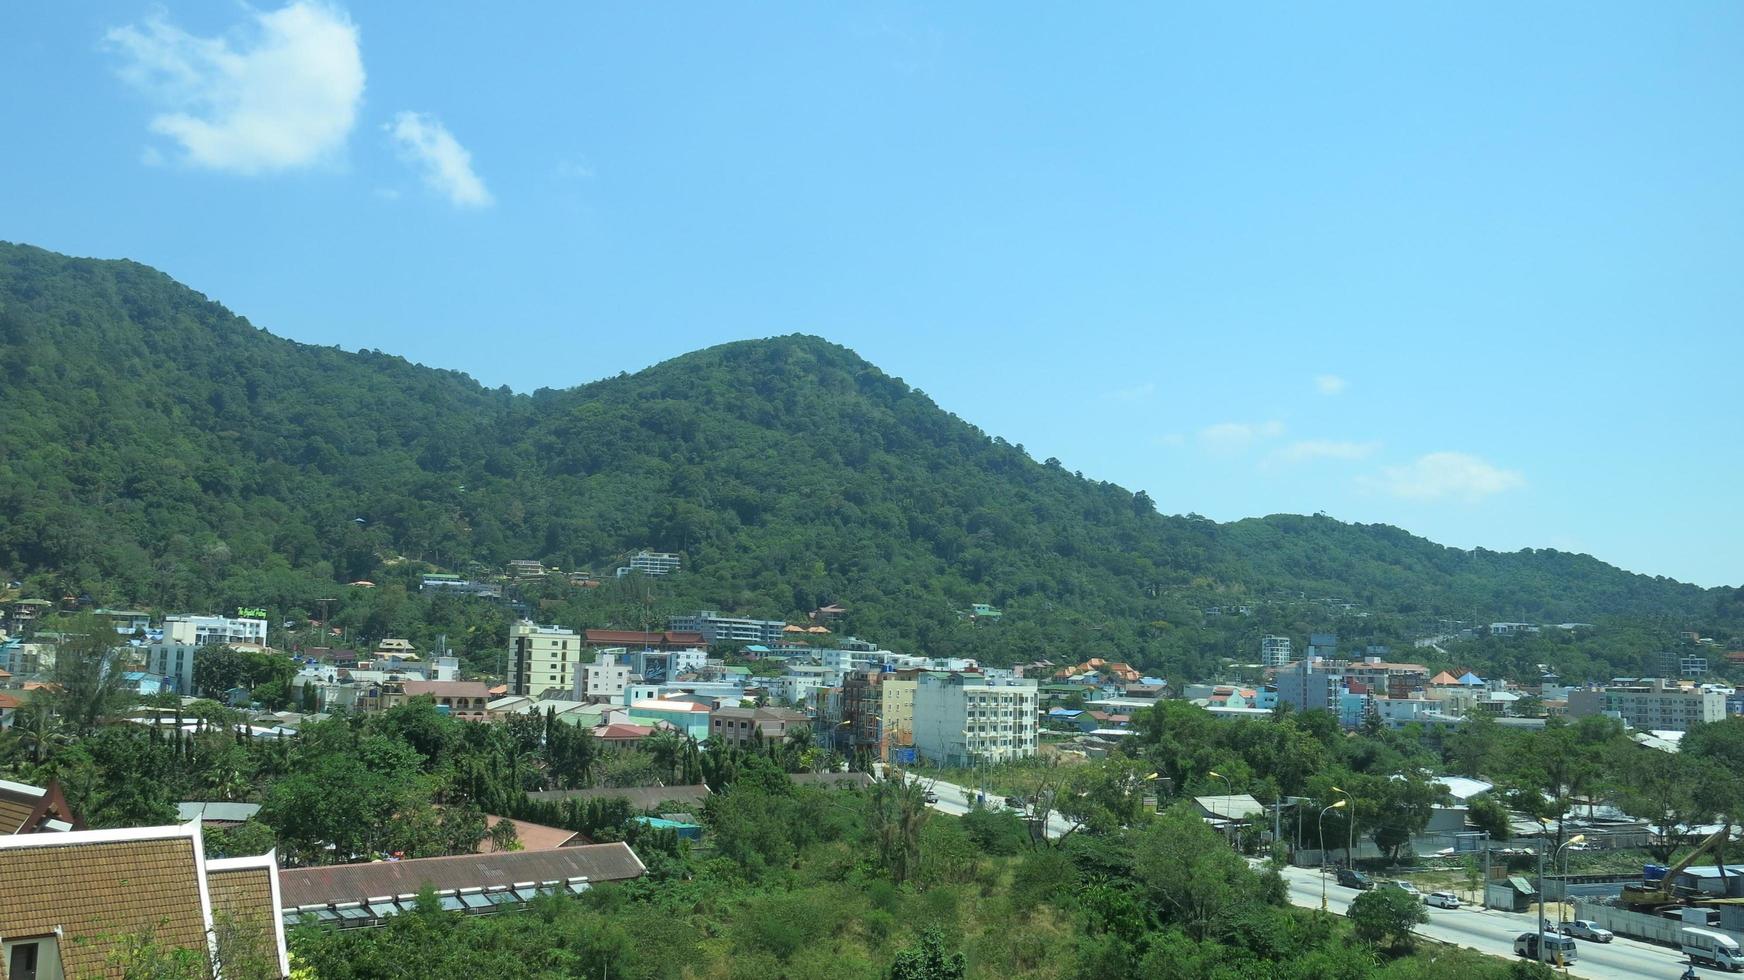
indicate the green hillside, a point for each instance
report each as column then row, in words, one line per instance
column 159, row 450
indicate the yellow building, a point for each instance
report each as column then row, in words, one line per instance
column 898, row 712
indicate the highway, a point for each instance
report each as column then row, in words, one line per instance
column 1490, row 931
column 1485, row 930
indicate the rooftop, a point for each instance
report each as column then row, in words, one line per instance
column 362, row 882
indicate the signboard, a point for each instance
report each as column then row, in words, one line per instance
column 250, row 612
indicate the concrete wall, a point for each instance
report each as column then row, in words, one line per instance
column 1639, row 925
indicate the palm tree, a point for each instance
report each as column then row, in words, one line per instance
column 897, row 812
column 667, row 747
column 37, row 728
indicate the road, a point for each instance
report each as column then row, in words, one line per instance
column 1490, row 931
column 1485, row 930
column 954, row 799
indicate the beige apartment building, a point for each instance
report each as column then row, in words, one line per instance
column 1650, row 704
column 542, row 658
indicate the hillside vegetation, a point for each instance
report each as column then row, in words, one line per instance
column 159, row 450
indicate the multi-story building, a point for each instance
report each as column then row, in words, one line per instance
column 1274, row 651
column 745, row 726
column 862, row 723
column 175, row 661
column 1671, row 664
column 525, row 568
column 603, row 680
column 455, row 585
column 718, row 629
column 1323, row 646
column 204, row 631
column 897, row 693
column 1651, row 704
column 464, row 700
column 1308, row 686
column 540, row 658
column 1388, row 679
column 651, row 563
column 964, row 719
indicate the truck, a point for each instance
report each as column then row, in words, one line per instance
column 1589, row 930
column 1712, row 948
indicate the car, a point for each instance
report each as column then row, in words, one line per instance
column 1355, row 879
column 1442, row 900
column 1013, row 803
column 1403, row 886
column 1589, row 930
column 930, row 796
column 1557, row 949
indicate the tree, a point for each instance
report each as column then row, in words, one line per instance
column 1665, row 789
column 896, row 813
column 1190, row 873
column 88, row 672
column 1386, row 917
column 927, row 960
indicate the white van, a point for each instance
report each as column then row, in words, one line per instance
column 1712, row 948
column 1557, row 949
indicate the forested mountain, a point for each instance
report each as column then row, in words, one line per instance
column 157, row 449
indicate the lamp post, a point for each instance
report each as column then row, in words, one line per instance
column 1336, row 806
column 1562, row 905
column 1231, row 786
column 1350, row 831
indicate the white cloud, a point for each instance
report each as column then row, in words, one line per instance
column 447, row 165
column 575, row 169
column 1236, row 436
column 279, row 96
column 1312, row 449
column 1330, row 384
column 1441, row 475
column 1132, row 395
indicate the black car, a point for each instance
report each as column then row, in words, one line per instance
column 1355, row 879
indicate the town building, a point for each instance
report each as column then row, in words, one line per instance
column 689, row 717
column 651, row 563
column 603, row 680
column 204, row 631
column 1309, row 686
column 455, row 585
column 1384, row 679
column 1650, row 704
column 744, row 727
column 526, row 568
column 174, row 661
column 540, row 657
column 897, row 706
column 1274, row 651
column 463, row 700
column 728, row 630
column 74, row 901
column 964, row 719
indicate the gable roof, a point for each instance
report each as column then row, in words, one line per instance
column 26, row 809
column 361, row 882
column 531, row 836
column 1444, row 678
column 94, row 888
column 1237, row 807
column 247, row 913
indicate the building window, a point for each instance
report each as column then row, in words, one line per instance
column 32, row 958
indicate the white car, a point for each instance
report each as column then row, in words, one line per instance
column 1589, row 930
column 1403, row 886
column 1442, row 900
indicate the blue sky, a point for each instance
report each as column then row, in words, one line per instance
column 1473, row 270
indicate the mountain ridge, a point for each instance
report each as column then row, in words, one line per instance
column 170, row 452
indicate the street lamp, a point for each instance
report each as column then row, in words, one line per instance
column 1231, row 786
column 1561, row 906
column 1336, row 806
column 1350, row 832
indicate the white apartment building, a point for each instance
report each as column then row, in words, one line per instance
column 540, row 658
column 1651, row 704
column 175, row 661
column 965, row 719
column 602, row 681
column 718, row 629
column 651, row 563
column 794, row 688
column 1275, row 651
column 214, row 630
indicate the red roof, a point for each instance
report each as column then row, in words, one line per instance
column 637, row 638
column 532, row 836
column 10, row 701
column 623, row 733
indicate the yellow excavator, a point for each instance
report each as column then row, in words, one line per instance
column 1650, row 895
